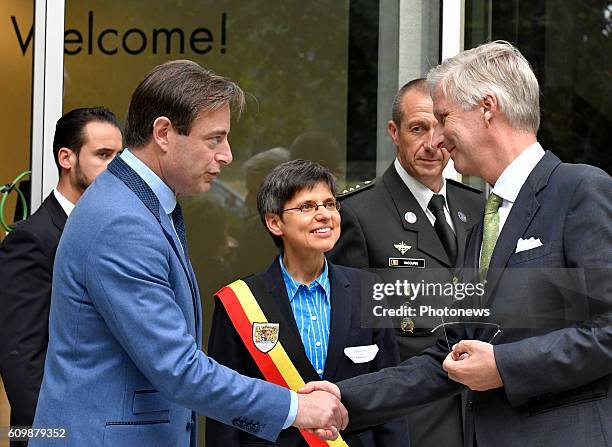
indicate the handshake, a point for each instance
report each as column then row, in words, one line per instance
column 320, row 411
column 470, row 362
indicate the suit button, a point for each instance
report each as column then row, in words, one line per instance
column 471, row 404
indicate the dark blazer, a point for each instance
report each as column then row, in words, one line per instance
column 373, row 222
column 227, row 348
column 554, row 353
column 26, row 270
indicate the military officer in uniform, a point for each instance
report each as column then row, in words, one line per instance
column 411, row 218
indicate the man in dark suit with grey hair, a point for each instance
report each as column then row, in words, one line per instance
column 543, row 375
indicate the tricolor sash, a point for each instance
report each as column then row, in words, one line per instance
column 260, row 337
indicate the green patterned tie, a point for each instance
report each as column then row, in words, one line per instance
column 490, row 232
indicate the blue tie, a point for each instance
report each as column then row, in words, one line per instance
column 179, row 224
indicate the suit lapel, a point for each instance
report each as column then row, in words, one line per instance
column 340, row 320
column 522, row 213
column 461, row 227
column 278, row 309
column 56, row 212
column 180, row 251
column 184, row 260
column 132, row 180
column 427, row 239
column 520, row 217
column 472, row 252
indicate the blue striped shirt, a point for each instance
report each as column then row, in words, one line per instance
column 311, row 309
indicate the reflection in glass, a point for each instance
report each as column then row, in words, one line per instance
column 569, row 45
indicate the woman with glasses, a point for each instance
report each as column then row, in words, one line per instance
column 300, row 320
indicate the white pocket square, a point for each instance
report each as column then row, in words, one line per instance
column 527, row 244
column 361, row 354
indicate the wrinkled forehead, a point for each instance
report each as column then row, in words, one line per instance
column 416, row 102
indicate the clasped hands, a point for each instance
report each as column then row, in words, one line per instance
column 320, row 411
column 472, row 363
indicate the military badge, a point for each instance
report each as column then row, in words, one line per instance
column 265, row 336
column 410, row 217
column 407, row 325
column 402, row 247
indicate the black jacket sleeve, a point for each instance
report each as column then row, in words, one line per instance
column 26, row 269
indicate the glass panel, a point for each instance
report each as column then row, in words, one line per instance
column 310, row 71
column 291, row 58
column 16, row 46
column 568, row 43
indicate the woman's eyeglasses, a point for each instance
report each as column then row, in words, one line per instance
column 311, row 207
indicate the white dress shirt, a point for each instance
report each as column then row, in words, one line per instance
column 423, row 194
column 66, row 204
column 511, row 181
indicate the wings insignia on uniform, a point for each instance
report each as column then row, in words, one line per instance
column 402, row 247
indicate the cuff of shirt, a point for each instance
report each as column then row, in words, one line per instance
column 293, row 409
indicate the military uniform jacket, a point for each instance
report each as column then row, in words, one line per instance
column 374, row 221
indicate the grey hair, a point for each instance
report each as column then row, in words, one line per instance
column 495, row 67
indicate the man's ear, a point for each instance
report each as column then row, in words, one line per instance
column 490, row 107
column 66, row 158
column 274, row 224
column 393, row 131
column 162, row 128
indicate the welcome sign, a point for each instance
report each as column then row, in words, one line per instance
column 134, row 41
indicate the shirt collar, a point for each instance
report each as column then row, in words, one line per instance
column 511, row 180
column 293, row 286
column 66, row 204
column 421, row 193
column 164, row 194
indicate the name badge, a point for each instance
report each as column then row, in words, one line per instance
column 407, row 262
column 361, row 354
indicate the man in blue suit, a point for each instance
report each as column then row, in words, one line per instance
column 124, row 365
column 543, row 376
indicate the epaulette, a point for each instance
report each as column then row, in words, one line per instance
column 463, row 185
column 358, row 187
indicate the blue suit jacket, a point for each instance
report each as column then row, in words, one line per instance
column 124, row 365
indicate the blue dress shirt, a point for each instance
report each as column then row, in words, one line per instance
column 164, row 194
column 311, row 309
